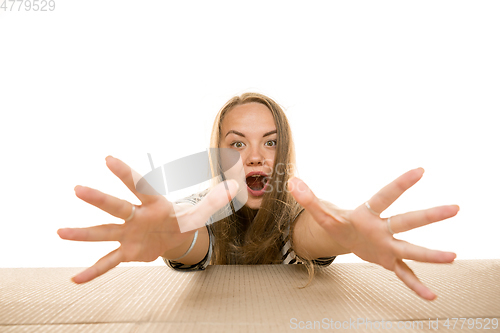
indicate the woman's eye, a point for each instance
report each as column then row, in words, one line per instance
column 273, row 143
column 237, row 144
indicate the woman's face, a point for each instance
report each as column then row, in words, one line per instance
column 250, row 130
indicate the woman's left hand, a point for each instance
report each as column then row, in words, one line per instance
column 363, row 232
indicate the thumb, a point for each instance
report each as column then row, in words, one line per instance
column 217, row 198
column 307, row 199
column 300, row 191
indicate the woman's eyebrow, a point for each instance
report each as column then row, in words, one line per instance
column 235, row 132
column 243, row 135
column 269, row 133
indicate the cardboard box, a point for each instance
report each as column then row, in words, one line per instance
column 263, row 298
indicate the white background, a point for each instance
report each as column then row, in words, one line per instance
column 372, row 89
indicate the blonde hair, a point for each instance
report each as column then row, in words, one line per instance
column 250, row 236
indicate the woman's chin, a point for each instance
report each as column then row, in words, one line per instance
column 253, row 203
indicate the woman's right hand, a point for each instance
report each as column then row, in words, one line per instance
column 153, row 228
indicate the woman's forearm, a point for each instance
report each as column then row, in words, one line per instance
column 197, row 253
column 311, row 241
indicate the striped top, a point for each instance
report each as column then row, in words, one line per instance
column 288, row 255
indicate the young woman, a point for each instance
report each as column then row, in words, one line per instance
column 282, row 220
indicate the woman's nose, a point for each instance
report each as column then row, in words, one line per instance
column 255, row 158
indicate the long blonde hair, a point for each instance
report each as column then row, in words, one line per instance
column 256, row 236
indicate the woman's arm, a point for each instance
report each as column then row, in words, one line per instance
column 197, row 253
column 311, row 241
column 363, row 232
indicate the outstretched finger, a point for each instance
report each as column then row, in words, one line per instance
column 307, row 199
column 104, row 264
column 409, row 278
column 405, row 250
column 387, row 195
column 412, row 220
column 217, row 198
column 108, row 203
column 100, row 233
column 125, row 173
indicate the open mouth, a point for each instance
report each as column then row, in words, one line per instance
column 257, row 182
